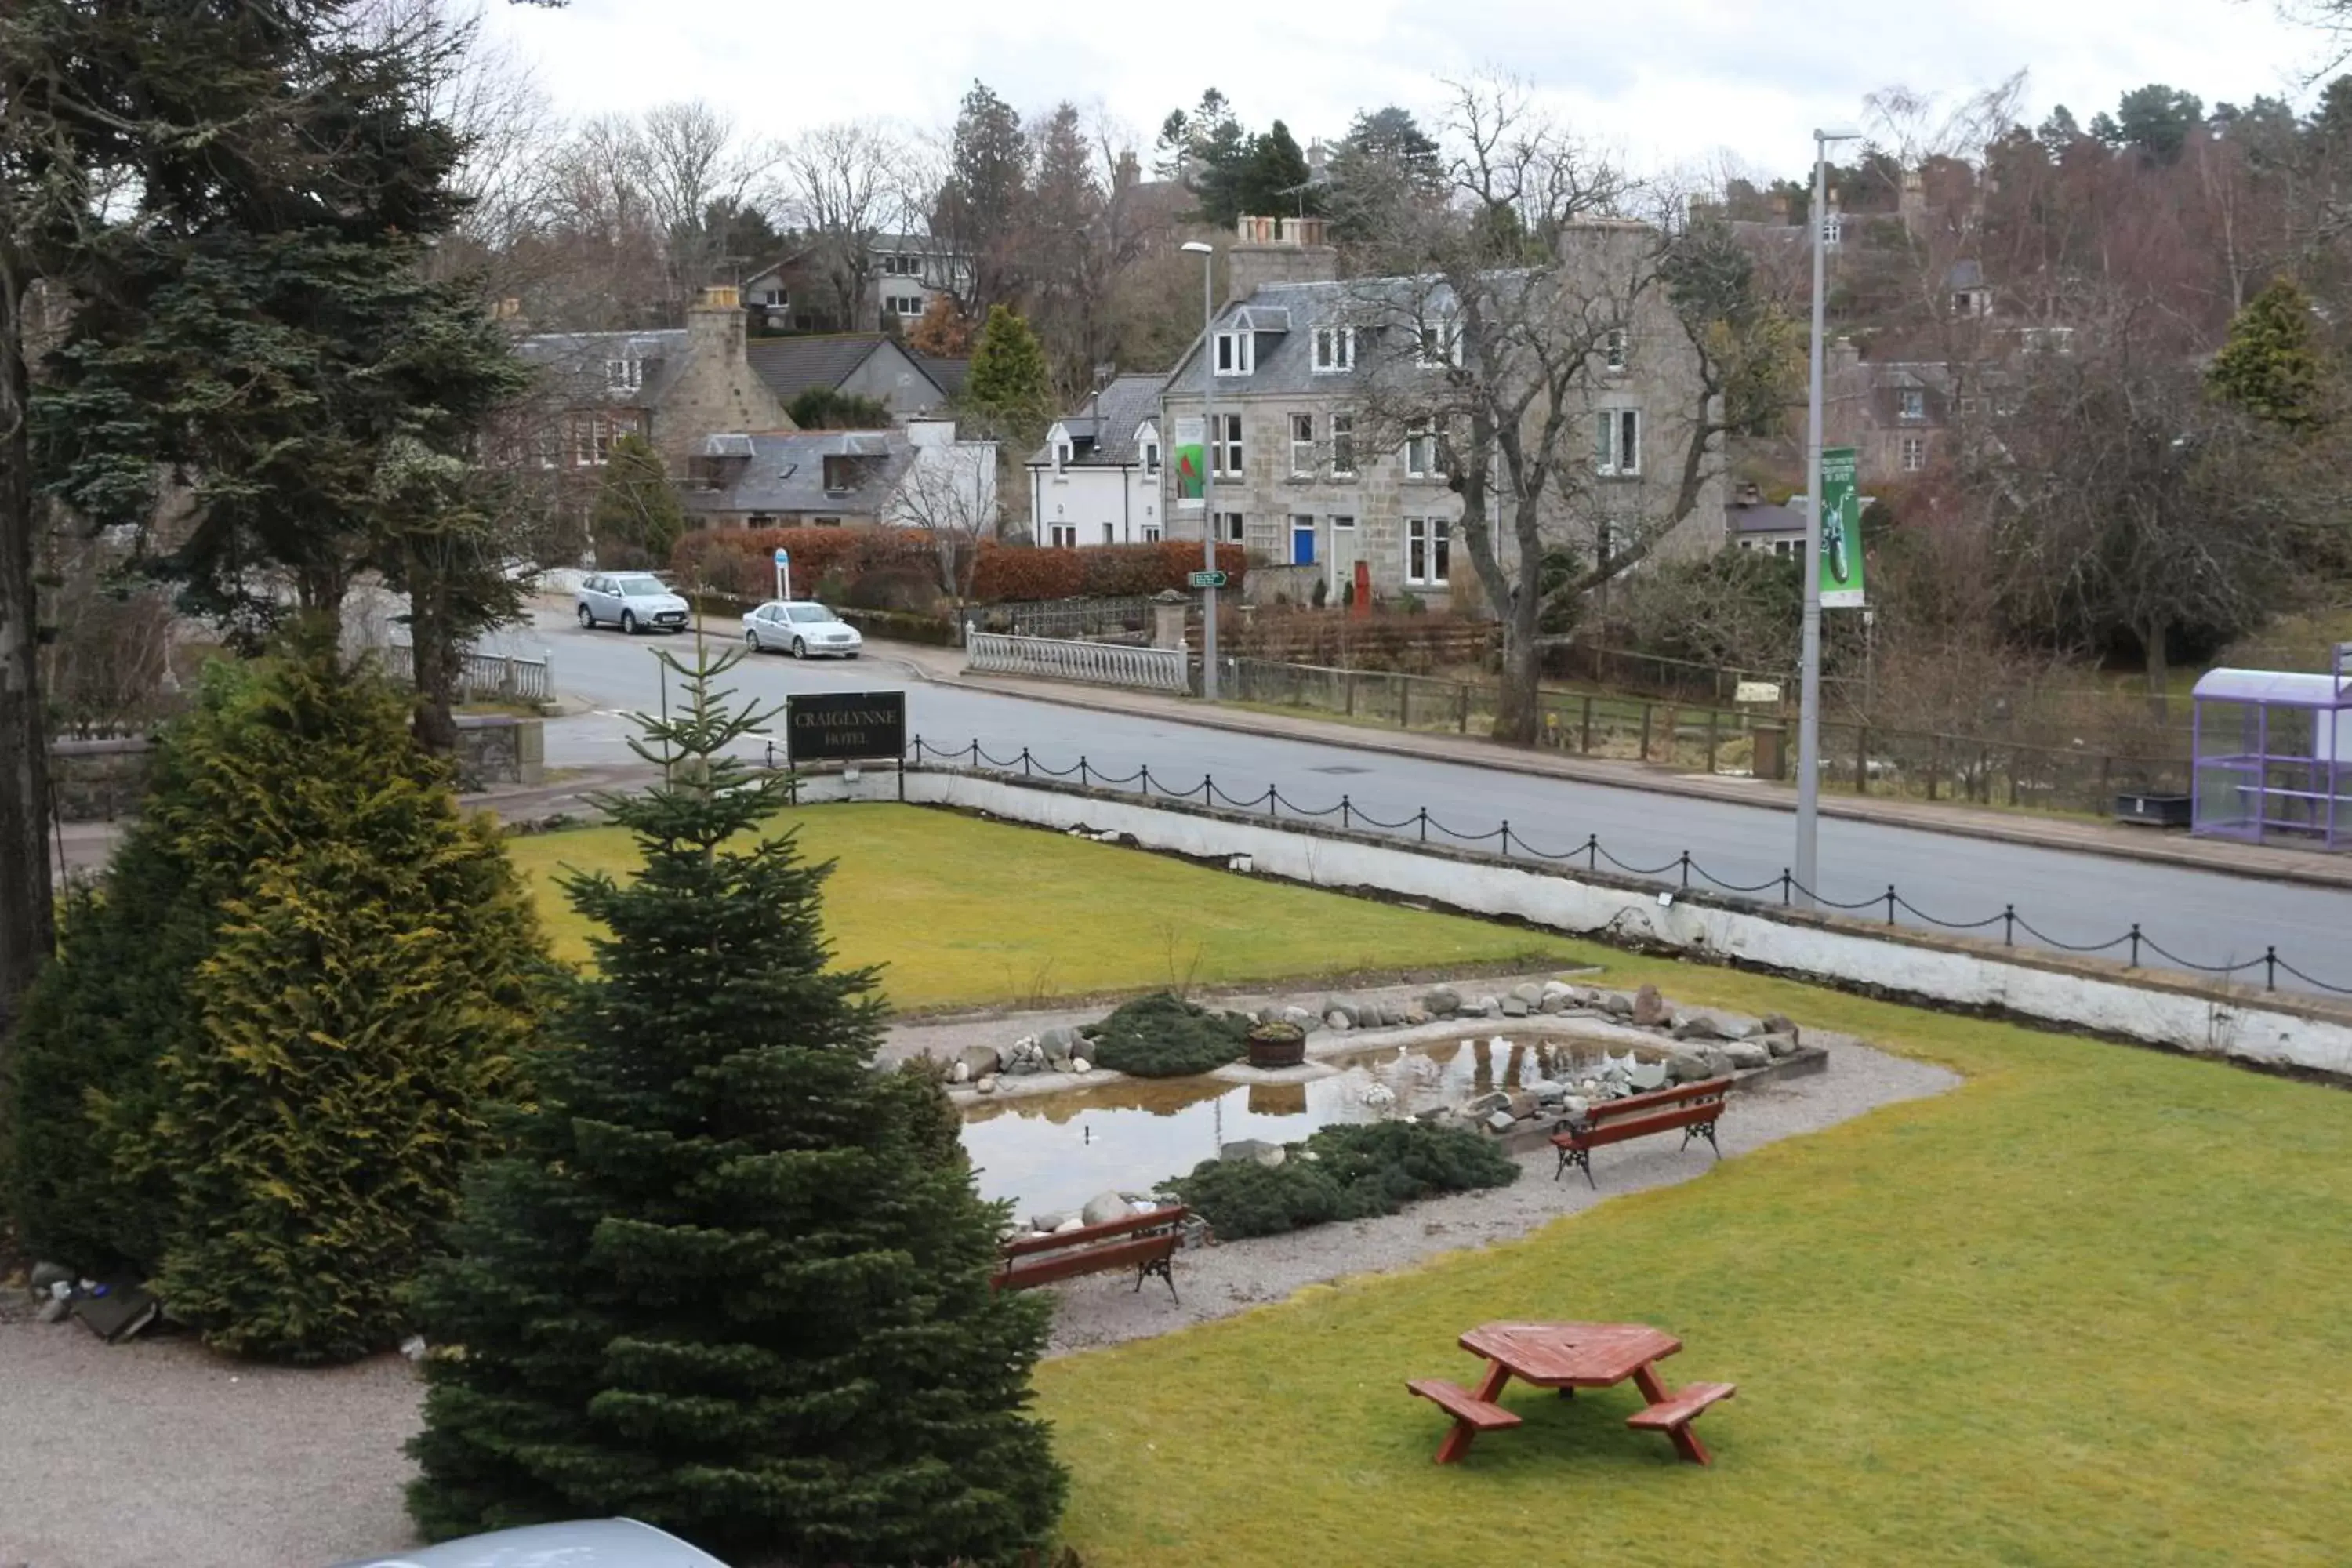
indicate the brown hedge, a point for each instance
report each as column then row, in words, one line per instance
column 738, row 561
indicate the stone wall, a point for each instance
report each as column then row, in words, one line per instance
column 496, row 749
column 98, row 781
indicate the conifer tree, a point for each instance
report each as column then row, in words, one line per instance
column 260, row 1062
column 724, row 1281
column 2271, row 366
column 636, row 505
column 1008, row 387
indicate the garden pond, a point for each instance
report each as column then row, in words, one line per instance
column 1053, row 1152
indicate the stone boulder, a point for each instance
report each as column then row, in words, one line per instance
column 1687, row 1067
column 1104, row 1207
column 1336, row 1019
column 1501, row 1122
column 1779, row 1045
column 1345, row 1009
column 1442, row 1003
column 1777, row 1023
column 1049, row 1223
column 1530, row 993
column 986, row 1085
column 1616, row 1005
column 1300, row 1017
column 1025, row 1056
column 1256, row 1149
column 978, row 1061
column 1477, row 1008
column 1514, row 1006
column 1698, row 1026
column 1557, row 997
column 1748, row 1055
column 1642, row 1077
column 1080, row 1064
column 1650, row 1010
column 1485, row 1104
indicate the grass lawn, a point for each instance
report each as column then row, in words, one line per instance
column 2093, row 1308
column 978, row 912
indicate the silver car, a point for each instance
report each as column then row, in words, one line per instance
column 633, row 601
column 590, row 1543
column 802, row 628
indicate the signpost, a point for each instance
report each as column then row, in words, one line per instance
column 1205, row 580
column 1842, row 585
column 783, row 572
column 845, row 727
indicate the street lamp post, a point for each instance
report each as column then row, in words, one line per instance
column 1208, row 255
column 1809, row 720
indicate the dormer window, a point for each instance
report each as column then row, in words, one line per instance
column 1912, row 404
column 1441, row 342
column 624, row 374
column 1237, row 354
column 1335, row 348
column 840, row 473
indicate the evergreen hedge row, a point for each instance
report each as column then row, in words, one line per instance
column 1351, row 1171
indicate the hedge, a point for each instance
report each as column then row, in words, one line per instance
column 1351, row 1171
column 1163, row 1035
column 740, row 562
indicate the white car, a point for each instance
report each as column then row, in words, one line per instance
column 802, row 628
column 633, row 601
column 591, row 1543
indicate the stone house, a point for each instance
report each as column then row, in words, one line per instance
column 904, row 273
column 918, row 476
column 1308, row 472
column 1096, row 479
column 861, row 364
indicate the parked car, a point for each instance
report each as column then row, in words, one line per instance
column 801, row 627
column 590, row 1543
column 633, row 601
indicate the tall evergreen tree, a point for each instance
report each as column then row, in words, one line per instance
column 724, row 1282
column 1274, row 181
column 2272, row 365
column 1009, row 389
column 258, row 1063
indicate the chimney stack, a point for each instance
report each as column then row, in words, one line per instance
column 1277, row 250
column 716, row 322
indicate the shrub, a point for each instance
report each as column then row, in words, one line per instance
column 1163, row 1035
column 728, row 1279
column 261, row 1060
column 1352, row 1170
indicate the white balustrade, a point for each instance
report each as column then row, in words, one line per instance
column 1102, row 664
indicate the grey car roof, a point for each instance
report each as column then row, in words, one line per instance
column 786, row 473
column 1111, row 418
column 588, row 1544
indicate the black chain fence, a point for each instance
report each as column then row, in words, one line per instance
column 1681, row 872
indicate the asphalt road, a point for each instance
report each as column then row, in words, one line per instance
column 2199, row 917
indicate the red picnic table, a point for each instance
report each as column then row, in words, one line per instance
column 1570, row 1356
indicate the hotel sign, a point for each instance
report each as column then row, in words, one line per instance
column 846, row 726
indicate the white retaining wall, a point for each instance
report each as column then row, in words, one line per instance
column 2273, row 1030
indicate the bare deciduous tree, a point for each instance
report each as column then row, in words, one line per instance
column 844, row 184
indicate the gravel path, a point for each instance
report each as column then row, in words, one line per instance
column 158, row 1452
column 1219, row 1281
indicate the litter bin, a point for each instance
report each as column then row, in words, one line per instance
column 1772, row 751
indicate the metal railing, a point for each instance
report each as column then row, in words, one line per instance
column 1680, row 873
column 489, row 677
column 1102, row 664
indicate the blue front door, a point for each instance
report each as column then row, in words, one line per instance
column 1302, row 544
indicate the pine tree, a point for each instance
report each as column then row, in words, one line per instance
column 725, row 1282
column 2271, row 366
column 261, row 1059
column 1008, row 387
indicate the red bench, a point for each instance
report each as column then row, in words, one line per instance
column 1692, row 1106
column 1470, row 1414
column 1147, row 1242
column 1674, row 1413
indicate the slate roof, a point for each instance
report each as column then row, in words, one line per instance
column 577, row 361
column 791, row 365
column 1108, row 421
column 1762, row 517
column 1283, row 316
column 949, row 374
column 786, row 472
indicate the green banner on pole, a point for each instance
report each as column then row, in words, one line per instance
column 1842, row 586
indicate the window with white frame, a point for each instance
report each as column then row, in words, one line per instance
column 1110, row 533
column 1062, row 535
column 1151, row 456
column 1915, row 453
column 1225, row 453
column 1617, row 442
column 624, row 375
column 1237, row 352
column 1343, row 444
column 1614, row 350
column 1302, row 445
column 1428, row 551
column 1229, row 527
column 899, row 265
column 902, row 304
column 1335, row 348
column 1441, row 340
column 1911, row 403
column 1061, row 455
column 1421, row 453
column 1150, row 533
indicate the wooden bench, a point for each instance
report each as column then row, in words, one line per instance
column 1692, row 1106
column 1471, row 1415
column 1674, row 1416
column 1144, row 1241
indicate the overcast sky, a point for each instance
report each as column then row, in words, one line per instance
column 1668, row 83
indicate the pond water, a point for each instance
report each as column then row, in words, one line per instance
column 1056, row 1150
